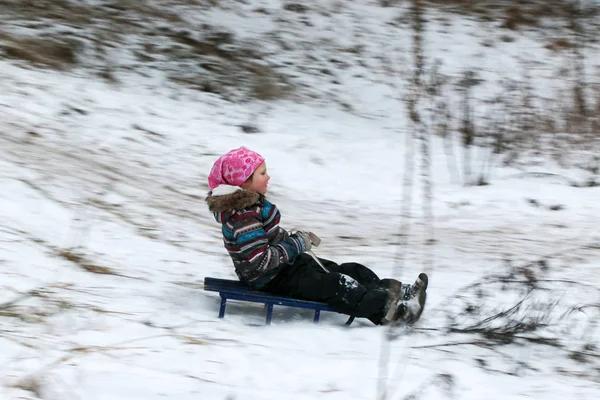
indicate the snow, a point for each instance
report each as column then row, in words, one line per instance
column 111, row 177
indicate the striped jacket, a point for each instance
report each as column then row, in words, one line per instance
column 258, row 246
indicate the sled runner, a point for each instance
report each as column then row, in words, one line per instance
column 235, row 290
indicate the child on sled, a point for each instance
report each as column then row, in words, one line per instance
column 269, row 259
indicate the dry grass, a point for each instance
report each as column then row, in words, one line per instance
column 40, row 51
column 201, row 57
column 31, row 384
column 522, row 122
column 47, row 305
column 512, row 14
column 518, row 16
column 225, row 64
column 124, row 14
column 559, row 44
column 85, row 264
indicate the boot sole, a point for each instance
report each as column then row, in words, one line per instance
column 422, row 302
column 422, row 299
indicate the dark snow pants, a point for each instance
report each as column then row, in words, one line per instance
column 349, row 288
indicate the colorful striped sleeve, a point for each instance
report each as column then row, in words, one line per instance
column 253, row 255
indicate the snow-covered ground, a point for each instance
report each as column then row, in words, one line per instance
column 105, row 234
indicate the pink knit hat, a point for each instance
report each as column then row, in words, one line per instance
column 234, row 167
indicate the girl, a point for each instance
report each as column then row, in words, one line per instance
column 269, row 259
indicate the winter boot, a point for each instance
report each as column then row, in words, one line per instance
column 411, row 303
column 396, row 292
column 414, row 299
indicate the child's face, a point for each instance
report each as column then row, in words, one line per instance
column 260, row 179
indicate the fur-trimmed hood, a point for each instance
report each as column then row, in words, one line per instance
column 226, row 198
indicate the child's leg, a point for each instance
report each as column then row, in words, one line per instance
column 306, row 280
column 357, row 271
column 361, row 273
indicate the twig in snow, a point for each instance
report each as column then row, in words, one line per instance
column 431, row 346
column 11, row 303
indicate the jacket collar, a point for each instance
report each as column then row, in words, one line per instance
column 230, row 198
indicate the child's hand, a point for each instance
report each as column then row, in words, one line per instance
column 308, row 237
column 305, row 237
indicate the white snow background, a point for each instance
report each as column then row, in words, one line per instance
column 105, row 238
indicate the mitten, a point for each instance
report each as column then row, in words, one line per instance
column 305, row 238
column 314, row 239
